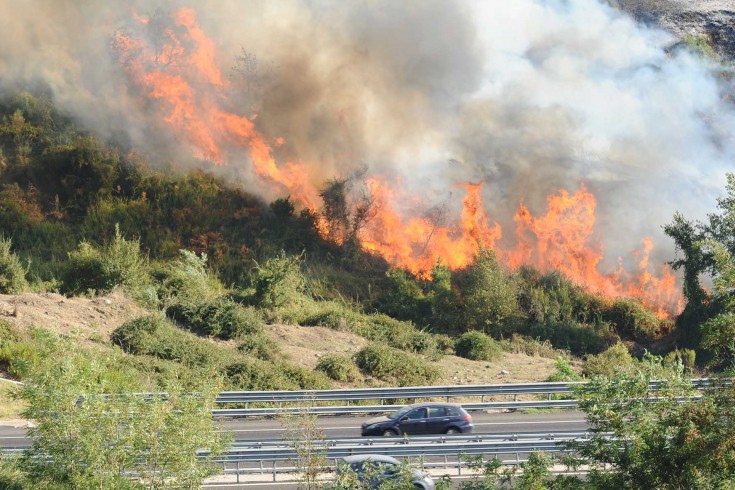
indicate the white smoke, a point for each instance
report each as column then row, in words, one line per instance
column 529, row 96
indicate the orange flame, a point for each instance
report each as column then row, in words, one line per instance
column 179, row 76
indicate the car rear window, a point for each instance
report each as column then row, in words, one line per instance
column 453, row 412
column 437, row 411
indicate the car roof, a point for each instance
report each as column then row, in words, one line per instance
column 434, row 404
column 377, row 458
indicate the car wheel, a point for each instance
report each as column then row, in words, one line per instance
column 452, row 430
column 390, row 433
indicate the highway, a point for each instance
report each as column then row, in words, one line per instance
column 343, row 426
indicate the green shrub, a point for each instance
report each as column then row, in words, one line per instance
column 489, row 296
column 220, row 318
column 98, row 270
column 686, row 357
column 563, row 372
column 632, row 320
column 478, row 347
column 187, row 280
column 392, row 365
column 18, row 358
column 260, row 346
column 254, row 374
column 12, row 273
column 519, row 344
column 613, row 361
column 577, row 338
column 279, row 281
column 338, row 368
column 153, row 335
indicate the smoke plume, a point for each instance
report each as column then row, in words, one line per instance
column 526, row 96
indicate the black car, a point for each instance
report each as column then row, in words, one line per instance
column 421, row 418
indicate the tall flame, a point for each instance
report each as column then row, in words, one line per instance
column 179, row 76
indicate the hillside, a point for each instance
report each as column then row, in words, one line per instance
column 90, row 321
column 713, row 19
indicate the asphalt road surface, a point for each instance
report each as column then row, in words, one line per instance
column 340, row 427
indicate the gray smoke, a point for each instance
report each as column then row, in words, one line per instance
column 528, row 96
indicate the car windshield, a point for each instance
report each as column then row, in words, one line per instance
column 400, row 413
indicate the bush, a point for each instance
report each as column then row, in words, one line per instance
column 220, row 318
column 12, row 273
column 98, row 270
column 393, row 365
column 187, row 280
column 632, row 320
column 489, row 295
column 338, row 368
column 577, row 338
column 564, row 371
column 279, row 281
column 153, row 335
column 254, row 374
column 260, row 346
column 519, row 344
column 614, row 361
column 478, row 347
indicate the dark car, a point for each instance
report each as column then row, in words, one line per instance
column 421, row 418
column 371, row 470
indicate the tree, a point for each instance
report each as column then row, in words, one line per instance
column 307, row 439
column 673, row 441
column 488, row 294
column 94, row 430
column 708, row 247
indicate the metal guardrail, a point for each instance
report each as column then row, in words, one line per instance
column 413, row 392
column 374, row 409
column 489, row 445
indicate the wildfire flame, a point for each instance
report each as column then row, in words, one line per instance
column 178, row 72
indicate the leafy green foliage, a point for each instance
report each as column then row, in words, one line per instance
column 187, row 280
column 338, row 368
column 614, row 360
column 254, row 374
column 488, row 294
column 279, row 281
column 260, row 346
column 153, row 335
column 220, row 318
column 563, row 371
column 671, row 442
column 90, row 442
column 119, row 263
column 12, row 273
column 395, row 366
column 478, row 347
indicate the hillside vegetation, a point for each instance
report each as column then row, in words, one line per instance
column 213, row 268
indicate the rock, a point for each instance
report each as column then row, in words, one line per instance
column 504, row 372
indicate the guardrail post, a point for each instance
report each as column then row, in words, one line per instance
column 238, row 472
column 274, row 470
column 459, row 465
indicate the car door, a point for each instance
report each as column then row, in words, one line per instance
column 414, row 422
column 437, row 420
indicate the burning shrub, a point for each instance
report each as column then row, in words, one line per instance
column 478, row 347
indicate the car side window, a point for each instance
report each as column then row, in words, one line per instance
column 437, row 412
column 452, row 412
column 419, row 413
